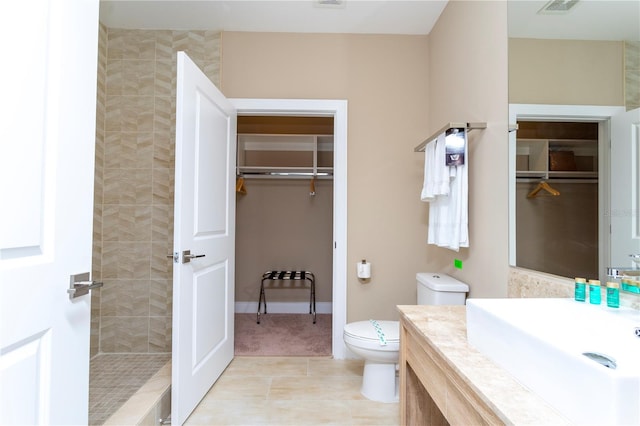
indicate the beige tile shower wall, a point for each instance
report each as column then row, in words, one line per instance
column 96, row 267
column 138, row 178
column 632, row 74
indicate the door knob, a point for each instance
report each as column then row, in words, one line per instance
column 187, row 256
column 80, row 284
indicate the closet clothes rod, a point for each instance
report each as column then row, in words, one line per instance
column 285, row 175
column 555, row 180
column 449, row 126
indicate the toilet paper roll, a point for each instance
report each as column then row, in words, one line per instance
column 364, row 270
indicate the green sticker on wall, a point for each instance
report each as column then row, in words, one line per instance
column 457, row 263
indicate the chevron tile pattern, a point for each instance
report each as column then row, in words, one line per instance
column 160, row 297
column 160, row 334
column 133, row 214
column 98, row 186
column 124, row 334
column 632, row 74
column 125, row 298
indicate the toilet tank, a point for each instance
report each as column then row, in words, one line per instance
column 440, row 289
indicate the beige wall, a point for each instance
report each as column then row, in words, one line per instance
column 468, row 82
column 566, row 72
column 399, row 90
column 279, row 226
column 384, row 79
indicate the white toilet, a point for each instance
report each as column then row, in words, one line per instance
column 378, row 342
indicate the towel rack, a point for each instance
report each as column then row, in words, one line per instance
column 449, row 126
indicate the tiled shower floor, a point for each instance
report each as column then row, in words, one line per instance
column 114, row 378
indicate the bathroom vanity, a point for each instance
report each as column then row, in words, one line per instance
column 444, row 380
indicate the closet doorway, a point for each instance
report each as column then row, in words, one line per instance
column 291, row 210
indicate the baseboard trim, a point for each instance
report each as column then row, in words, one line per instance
column 284, row 307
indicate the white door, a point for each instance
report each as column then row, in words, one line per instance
column 48, row 104
column 625, row 187
column 203, row 286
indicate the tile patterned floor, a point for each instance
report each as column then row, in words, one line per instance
column 291, row 391
column 113, row 378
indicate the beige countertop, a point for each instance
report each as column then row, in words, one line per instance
column 444, row 330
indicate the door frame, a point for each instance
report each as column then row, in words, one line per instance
column 593, row 113
column 338, row 110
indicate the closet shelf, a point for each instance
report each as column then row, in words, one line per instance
column 285, row 156
column 567, row 159
column 450, row 126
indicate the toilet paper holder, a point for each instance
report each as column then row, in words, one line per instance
column 364, row 269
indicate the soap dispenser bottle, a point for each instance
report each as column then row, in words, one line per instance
column 613, row 294
column 580, row 291
column 594, row 292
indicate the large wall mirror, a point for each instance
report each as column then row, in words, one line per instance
column 574, row 160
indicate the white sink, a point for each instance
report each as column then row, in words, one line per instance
column 541, row 343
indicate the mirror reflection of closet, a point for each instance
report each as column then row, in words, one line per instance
column 557, row 197
column 587, row 58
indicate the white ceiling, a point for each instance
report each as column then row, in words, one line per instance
column 589, row 20
column 300, row 16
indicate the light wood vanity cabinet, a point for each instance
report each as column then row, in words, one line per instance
column 445, row 381
column 431, row 392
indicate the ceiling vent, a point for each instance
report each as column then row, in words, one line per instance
column 556, row 7
column 333, row 4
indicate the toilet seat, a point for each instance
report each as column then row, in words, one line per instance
column 364, row 334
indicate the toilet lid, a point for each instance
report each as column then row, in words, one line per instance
column 369, row 330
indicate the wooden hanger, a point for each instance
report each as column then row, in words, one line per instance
column 543, row 185
column 312, row 186
column 240, row 188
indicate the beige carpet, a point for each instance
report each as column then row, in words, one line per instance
column 282, row 335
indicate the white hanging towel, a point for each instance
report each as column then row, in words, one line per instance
column 447, row 194
column 436, row 173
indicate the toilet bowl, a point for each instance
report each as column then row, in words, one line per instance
column 378, row 342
